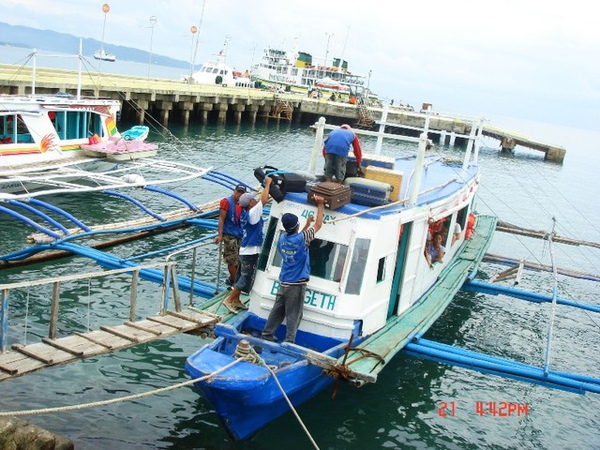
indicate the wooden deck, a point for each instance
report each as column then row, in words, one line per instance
column 53, row 352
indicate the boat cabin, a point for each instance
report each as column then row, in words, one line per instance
column 33, row 125
column 370, row 263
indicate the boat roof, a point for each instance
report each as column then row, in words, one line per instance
column 441, row 179
column 24, row 103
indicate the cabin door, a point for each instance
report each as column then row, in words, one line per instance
column 399, row 269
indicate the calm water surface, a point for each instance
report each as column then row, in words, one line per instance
column 402, row 409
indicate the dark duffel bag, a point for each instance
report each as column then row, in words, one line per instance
column 353, row 169
column 283, row 182
column 261, row 172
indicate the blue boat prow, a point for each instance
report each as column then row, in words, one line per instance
column 246, row 395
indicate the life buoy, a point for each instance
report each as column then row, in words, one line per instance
column 471, row 221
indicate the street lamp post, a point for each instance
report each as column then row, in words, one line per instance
column 105, row 10
column 327, row 49
column 193, row 30
column 152, row 23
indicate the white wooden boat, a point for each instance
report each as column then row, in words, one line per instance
column 371, row 290
column 42, row 140
column 103, row 55
column 218, row 72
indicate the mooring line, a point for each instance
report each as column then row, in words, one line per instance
column 292, row 408
column 33, row 412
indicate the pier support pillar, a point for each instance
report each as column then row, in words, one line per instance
column 141, row 110
column 452, row 138
column 222, row 113
column 205, row 108
column 265, row 110
column 508, row 145
column 164, row 117
column 188, row 107
column 237, row 113
column 251, row 113
column 555, row 154
column 165, row 110
column 443, row 137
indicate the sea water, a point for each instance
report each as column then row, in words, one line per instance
column 415, row 404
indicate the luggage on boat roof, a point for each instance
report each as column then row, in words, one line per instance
column 283, row 181
column 386, row 162
column 336, row 195
column 368, row 192
column 392, row 177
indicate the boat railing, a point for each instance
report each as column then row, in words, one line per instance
column 471, row 153
column 59, row 282
column 171, row 274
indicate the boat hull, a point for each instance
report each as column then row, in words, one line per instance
column 120, row 150
column 246, row 397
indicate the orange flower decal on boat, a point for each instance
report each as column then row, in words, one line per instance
column 49, row 142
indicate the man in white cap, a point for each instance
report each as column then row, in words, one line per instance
column 295, row 272
column 252, row 239
column 336, row 149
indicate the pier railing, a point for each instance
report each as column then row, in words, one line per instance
column 58, row 282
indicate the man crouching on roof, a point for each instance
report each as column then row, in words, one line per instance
column 295, row 272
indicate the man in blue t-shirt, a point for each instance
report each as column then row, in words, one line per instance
column 336, row 149
column 295, row 272
column 252, row 239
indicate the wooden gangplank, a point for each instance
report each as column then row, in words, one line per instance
column 53, row 352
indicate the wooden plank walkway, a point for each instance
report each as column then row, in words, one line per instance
column 53, row 352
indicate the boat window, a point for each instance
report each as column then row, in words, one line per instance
column 357, row 266
column 268, row 242
column 13, row 130
column 76, row 124
column 381, row 270
column 326, row 259
column 7, row 131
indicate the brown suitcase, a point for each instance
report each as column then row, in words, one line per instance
column 336, row 195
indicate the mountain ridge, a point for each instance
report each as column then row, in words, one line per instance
column 27, row 37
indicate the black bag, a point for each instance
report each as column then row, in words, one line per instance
column 261, row 172
column 353, row 169
column 283, row 182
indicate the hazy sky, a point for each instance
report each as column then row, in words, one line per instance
column 532, row 59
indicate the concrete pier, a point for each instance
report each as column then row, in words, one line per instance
column 172, row 101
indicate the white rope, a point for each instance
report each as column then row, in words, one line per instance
column 26, row 318
column 292, row 408
column 89, row 305
column 114, row 400
column 554, row 299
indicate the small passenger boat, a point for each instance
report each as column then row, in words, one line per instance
column 128, row 146
column 371, row 290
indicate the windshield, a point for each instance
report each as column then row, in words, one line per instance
column 326, row 259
